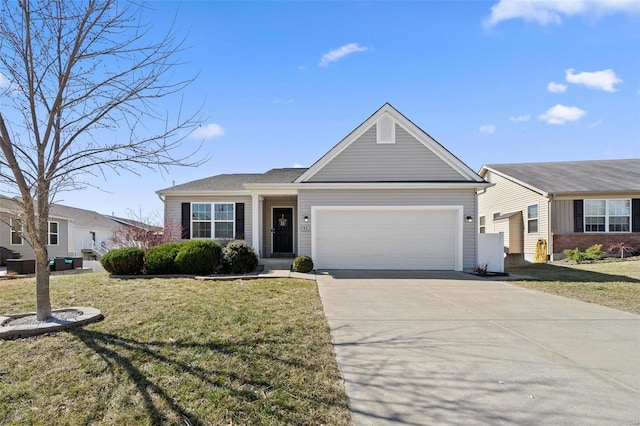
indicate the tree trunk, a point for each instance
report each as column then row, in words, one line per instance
column 43, row 299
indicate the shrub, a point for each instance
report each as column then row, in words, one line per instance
column 302, row 264
column 594, row 252
column 574, row 255
column 161, row 259
column 124, row 261
column 199, row 257
column 238, row 257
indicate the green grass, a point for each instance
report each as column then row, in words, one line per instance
column 614, row 284
column 174, row 351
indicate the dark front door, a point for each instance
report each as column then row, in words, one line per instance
column 283, row 230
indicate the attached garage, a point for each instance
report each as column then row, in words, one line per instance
column 384, row 237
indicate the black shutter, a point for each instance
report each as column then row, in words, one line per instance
column 186, row 221
column 635, row 215
column 578, row 215
column 239, row 221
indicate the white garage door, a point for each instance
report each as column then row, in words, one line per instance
column 410, row 238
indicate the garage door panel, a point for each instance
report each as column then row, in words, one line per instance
column 385, row 239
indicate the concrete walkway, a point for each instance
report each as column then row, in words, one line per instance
column 447, row 348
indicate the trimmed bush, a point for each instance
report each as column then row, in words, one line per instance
column 302, row 264
column 124, row 261
column 198, row 257
column 238, row 257
column 161, row 259
column 592, row 253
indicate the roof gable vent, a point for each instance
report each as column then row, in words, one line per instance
column 386, row 130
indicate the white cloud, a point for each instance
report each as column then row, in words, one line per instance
column 520, row 118
column 545, row 12
column 209, row 131
column 488, row 129
column 298, row 166
column 561, row 114
column 340, row 53
column 554, row 87
column 603, row 80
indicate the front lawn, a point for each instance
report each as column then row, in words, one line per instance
column 174, row 351
column 615, row 284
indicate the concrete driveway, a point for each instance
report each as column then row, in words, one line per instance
column 448, row 348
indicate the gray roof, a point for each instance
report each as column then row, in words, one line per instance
column 568, row 177
column 80, row 217
column 236, row 181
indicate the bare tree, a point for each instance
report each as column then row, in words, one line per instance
column 75, row 73
column 142, row 231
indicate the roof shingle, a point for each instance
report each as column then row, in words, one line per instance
column 568, row 177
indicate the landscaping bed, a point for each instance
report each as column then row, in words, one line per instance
column 174, row 351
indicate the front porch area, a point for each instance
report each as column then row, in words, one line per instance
column 276, row 227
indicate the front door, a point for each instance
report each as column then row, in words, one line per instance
column 283, row 230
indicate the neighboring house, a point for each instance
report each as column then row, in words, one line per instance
column 89, row 232
column 388, row 196
column 565, row 204
column 12, row 239
column 72, row 231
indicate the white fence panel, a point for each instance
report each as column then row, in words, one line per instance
column 491, row 251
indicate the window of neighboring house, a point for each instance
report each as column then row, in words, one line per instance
column 607, row 215
column 532, row 219
column 482, row 228
column 496, row 215
column 53, row 233
column 16, row 231
column 224, row 222
column 201, row 220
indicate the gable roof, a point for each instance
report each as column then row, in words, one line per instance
column 466, row 174
column 573, row 177
column 79, row 217
column 235, row 181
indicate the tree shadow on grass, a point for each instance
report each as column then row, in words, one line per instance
column 552, row 273
column 130, row 355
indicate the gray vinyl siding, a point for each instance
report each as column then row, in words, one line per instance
column 405, row 160
column 59, row 250
column 267, row 221
column 459, row 197
column 507, row 196
column 173, row 211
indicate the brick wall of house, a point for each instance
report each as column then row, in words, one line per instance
column 585, row 240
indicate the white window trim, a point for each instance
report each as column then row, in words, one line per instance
column 13, row 231
column 537, row 218
column 200, row 221
column 49, row 233
column 214, row 221
column 482, row 227
column 606, row 216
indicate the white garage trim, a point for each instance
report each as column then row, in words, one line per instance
column 456, row 210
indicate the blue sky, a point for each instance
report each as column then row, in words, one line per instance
column 280, row 83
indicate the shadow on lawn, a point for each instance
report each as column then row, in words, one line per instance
column 551, row 272
column 130, row 355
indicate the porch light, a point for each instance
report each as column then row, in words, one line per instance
column 469, row 219
column 306, row 219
